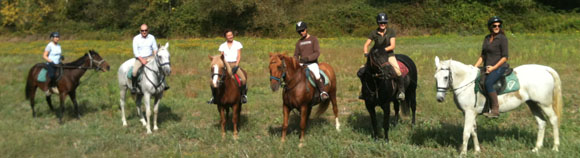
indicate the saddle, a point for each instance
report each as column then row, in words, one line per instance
column 43, row 74
column 402, row 67
column 508, row 82
column 310, row 76
column 139, row 72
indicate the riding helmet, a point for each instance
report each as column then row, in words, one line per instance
column 493, row 20
column 300, row 26
column 382, row 17
column 54, row 34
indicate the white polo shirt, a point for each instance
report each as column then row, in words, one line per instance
column 144, row 47
column 54, row 52
column 231, row 53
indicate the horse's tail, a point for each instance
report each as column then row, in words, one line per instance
column 557, row 103
column 30, row 86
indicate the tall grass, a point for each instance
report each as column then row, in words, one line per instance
column 190, row 128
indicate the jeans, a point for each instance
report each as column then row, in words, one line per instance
column 492, row 78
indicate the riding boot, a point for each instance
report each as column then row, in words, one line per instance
column 211, row 100
column 244, row 91
column 134, row 84
column 494, row 106
column 323, row 94
column 401, row 85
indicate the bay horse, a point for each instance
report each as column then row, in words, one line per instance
column 226, row 92
column 298, row 93
column 151, row 84
column 378, row 89
column 68, row 82
column 540, row 88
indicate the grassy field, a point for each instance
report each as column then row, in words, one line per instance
column 189, row 127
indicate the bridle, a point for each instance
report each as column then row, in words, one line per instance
column 282, row 78
column 159, row 73
column 220, row 75
column 449, row 81
column 91, row 61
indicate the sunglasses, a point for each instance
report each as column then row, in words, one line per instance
column 494, row 26
column 300, row 31
column 382, row 23
column 144, row 30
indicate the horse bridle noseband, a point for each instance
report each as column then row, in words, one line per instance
column 281, row 79
column 159, row 73
column 449, row 81
column 220, row 76
column 95, row 61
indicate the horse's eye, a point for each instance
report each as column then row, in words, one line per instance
column 445, row 77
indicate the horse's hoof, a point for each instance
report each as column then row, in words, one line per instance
column 463, row 154
column 143, row 122
column 555, row 149
column 155, row 128
column 124, row 124
column 149, row 132
column 536, row 149
column 300, row 145
column 236, row 137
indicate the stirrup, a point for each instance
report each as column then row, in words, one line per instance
column 324, row 95
column 401, row 96
column 244, row 99
column 491, row 115
column 210, row 101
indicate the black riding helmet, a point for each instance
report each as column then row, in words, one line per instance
column 382, row 18
column 54, row 34
column 300, row 26
column 493, row 20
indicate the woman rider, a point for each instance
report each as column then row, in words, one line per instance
column 384, row 46
column 494, row 56
column 232, row 52
column 52, row 54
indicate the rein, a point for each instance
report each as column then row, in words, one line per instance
column 98, row 64
column 449, row 81
column 158, row 74
column 282, row 78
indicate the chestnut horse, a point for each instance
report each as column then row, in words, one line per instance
column 68, row 83
column 298, row 92
column 227, row 92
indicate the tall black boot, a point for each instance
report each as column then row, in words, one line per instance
column 320, row 86
column 211, row 100
column 401, row 85
column 244, row 91
column 134, row 84
column 494, row 106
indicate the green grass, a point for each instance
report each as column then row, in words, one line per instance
column 189, row 127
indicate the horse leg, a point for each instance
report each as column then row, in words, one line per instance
column 49, row 102
column 60, row 112
column 285, row 123
column 138, row 102
column 549, row 111
column 467, row 129
column 73, row 98
column 335, row 111
column 304, row 111
column 156, row 112
column 413, row 104
column 223, row 114
column 122, row 93
column 474, row 135
column 396, row 107
column 373, row 115
column 147, row 100
column 235, row 119
column 540, row 118
column 386, row 120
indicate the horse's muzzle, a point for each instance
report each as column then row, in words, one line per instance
column 275, row 87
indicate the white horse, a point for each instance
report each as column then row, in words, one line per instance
column 540, row 88
column 151, row 84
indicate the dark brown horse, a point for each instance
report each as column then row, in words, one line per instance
column 227, row 93
column 68, row 82
column 298, row 92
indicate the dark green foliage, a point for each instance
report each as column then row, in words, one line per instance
column 275, row 18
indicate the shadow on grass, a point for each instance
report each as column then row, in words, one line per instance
column 361, row 122
column 294, row 124
column 451, row 135
column 242, row 121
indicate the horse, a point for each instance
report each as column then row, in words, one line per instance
column 226, row 92
column 298, row 93
column 151, row 84
column 70, row 74
column 378, row 89
column 540, row 89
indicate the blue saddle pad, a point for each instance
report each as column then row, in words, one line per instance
column 326, row 80
column 42, row 75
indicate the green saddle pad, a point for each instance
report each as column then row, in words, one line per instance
column 326, row 80
column 511, row 81
column 42, row 75
column 130, row 74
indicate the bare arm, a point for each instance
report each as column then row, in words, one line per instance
column 499, row 63
column 366, row 46
column 392, row 46
column 239, row 57
column 45, row 56
column 479, row 61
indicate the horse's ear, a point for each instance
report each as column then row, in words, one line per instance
column 270, row 54
column 166, row 45
column 437, row 64
column 210, row 57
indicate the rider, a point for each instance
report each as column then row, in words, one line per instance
column 144, row 49
column 384, row 46
column 232, row 52
column 52, row 54
column 307, row 51
column 494, row 56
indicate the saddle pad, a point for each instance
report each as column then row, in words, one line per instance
column 326, row 80
column 402, row 67
column 130, row 74
column 511, row 81
column 42, row 75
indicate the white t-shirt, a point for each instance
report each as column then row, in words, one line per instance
column 54, row 52
column 231, row 54
column 144, row 47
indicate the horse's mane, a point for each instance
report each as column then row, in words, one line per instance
column 77, row 62
column 217, row 60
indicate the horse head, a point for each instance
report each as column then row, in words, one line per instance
column 277, row 70
column 163, row 58
column 218, row 70
column 96, row 61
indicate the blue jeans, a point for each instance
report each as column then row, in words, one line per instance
column 492, row 78
column 51, row 68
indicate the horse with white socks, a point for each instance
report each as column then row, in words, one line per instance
column 540, row 88
column 151, row 83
